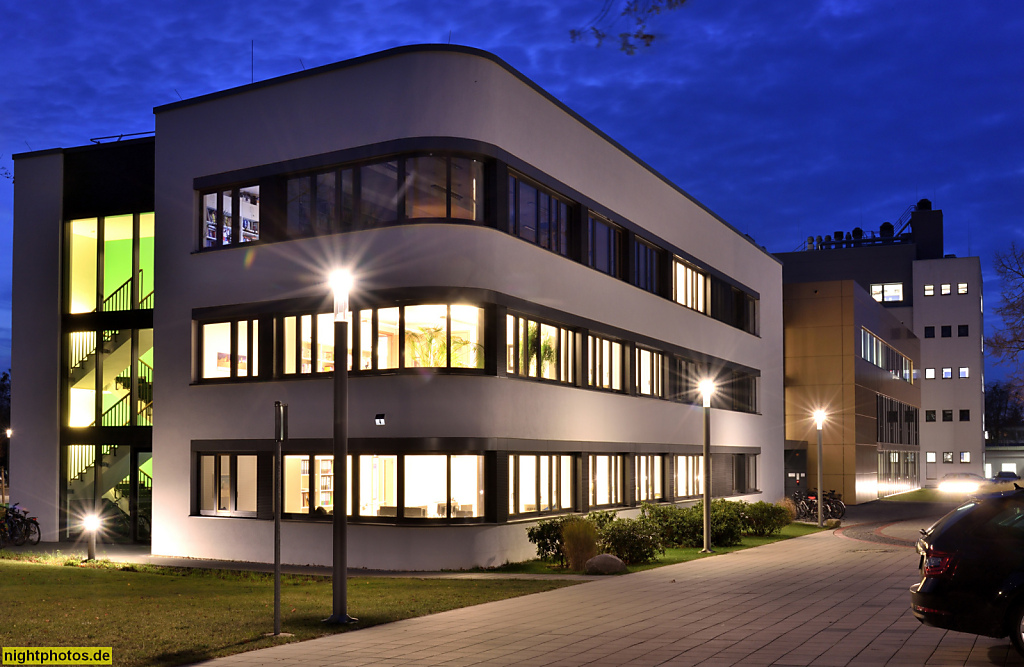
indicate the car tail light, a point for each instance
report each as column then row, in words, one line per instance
column 938, row 564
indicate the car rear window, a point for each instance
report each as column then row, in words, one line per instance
column 1005, row 522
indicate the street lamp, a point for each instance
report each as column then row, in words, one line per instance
column 91, row 524
column 341, row 284
column 819, row 421
column 707, row 388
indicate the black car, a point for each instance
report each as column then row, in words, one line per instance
column 1005, row 476
column 972, row 569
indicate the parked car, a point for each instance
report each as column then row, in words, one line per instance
column 1006, row 476
column 962, row 482
column 972, row 572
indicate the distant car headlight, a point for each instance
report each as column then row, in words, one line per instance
column 959, row 486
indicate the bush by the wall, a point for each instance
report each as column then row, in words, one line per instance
column 579, row 540
column 633, row 541
column 601, row 518
column 764, row 519
column 671, row 521
column 547, row 536
column 726, row 524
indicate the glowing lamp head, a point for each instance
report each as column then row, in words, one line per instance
column 819, row 418
column 91, row 523
column 706, row 388
column 341, row 282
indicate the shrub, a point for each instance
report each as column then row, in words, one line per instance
column 726, row 524
column 579, row 540
column 547, row 536
column 633, row 541
column 764, row 519
column 601, row 518
column 671, row 522
column 790, row 506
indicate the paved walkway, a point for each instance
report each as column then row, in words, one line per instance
column 834, row 598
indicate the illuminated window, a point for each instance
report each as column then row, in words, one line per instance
column 232, row 216
column 946, row 288
column 228, row 349
column 887, row 292
column 540, row 350
column 692, row 287
column 964, row 372
column 431, row 494
column 965, row 457
column 929, row 290
column 378, row 485
column 648, row 477
column 540, row 483
column 689, row 476
column 605, row 480
column 309, row 484
column 929, row 457
column 947, row 457
column 929, row 374
column 947, row 373
column 961, row 288
column 604, row 363
column 227, row 484
column 649, row 372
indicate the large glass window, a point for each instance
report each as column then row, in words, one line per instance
column 308, row 343
column 604, row 363
column 232, row 216
column 649, row 373
column 378, row 485
column 378, row 194
column 227, row 484
column 122, row 284
column 426, row 336
column 309, row 484
column 605, row 480
column 109, row 383
column 540, row 483
column 885, row 292
column 605, row 246
column 648, row 478
column 438, row 486
column 541, row 350
column 538, row 216
column 876, row 351
column 692, row 287
column 229, row 349
column 689, row 475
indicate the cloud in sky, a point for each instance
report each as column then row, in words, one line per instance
column 786, row 119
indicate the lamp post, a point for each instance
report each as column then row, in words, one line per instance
column 341, row 284
column 819, row 421
column 707, row 388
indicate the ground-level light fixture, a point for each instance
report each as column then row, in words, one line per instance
column 707, row 388
column 819, row 421
column 91, row 523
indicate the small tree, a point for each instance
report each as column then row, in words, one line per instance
column 637, row 15
column 1007, row 343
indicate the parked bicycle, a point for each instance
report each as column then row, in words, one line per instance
column 17, row 527
column 806, row 503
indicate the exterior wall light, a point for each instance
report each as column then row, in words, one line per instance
column 379, row 419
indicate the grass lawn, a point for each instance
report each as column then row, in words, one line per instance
column 671, row 556
column 936, row 496
column 171, row 616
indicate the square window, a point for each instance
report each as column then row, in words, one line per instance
column 929, row 290
column 929, row 332
column 965, row 415
column 929, row 457
column 946, row 289
column 961, row 288
column 947, row 373
column 929, row 374
column 947, row 457
column 929, row 415
column 947, row 415
column 964, row 372
column 962, row 330
column 947, row 331
column 965, row 457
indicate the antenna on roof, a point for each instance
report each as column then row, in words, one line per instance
column 449, row 36
column 178, row 94
column 303, row 64
column 252, row 61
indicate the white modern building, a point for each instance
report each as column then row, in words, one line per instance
column 534, row 306
column 939, row 298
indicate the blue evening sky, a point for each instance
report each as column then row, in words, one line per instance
column 785, row 118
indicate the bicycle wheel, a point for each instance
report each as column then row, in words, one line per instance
column 18, row 533
column 33, row 534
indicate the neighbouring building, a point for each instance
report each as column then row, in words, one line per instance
column 534, row 308
column 939, row 298
column 851, row 358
